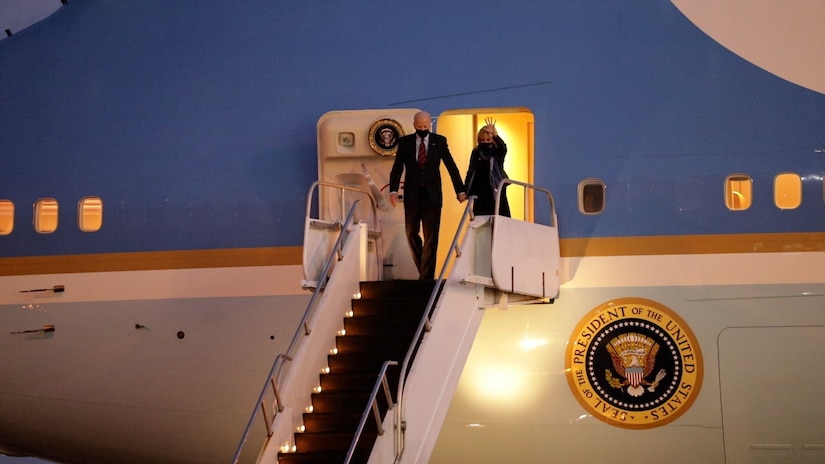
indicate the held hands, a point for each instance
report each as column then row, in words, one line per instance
column 462, row 197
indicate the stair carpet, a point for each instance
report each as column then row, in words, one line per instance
column 381, row 328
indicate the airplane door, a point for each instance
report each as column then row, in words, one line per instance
column 516, row 127
column 357, row 149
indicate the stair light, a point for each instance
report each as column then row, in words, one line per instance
column 325, row 370
column 349, row 313
column 294, row 448
column 317, row 389
column 301, row 428
column 309, row 408
column 356, row 296
column 285, row 447
column 342, row 332
column 334, row 350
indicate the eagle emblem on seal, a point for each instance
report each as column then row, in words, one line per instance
column 634, row 359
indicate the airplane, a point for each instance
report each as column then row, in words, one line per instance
column 165, row 163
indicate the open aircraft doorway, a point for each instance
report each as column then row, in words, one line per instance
column 515, row 125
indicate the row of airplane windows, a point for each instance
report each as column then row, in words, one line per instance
column 787, row 193
column 89, row 215
column 591, row 200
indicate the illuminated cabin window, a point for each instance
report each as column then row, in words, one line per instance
column 6, row 217
column 787, row 190
column 738, row 192
column 90, row 214
column 45, row 215
column 591, row 196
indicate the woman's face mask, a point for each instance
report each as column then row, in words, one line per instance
column 485, row 141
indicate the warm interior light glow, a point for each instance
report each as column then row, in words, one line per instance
column 787, row 190
column 90, row 214
column 6, row 217
column 45, row 215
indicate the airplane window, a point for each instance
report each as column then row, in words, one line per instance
column 787, row 190
column 90, row 214
column 6, row 217
column 591, row 196
column 738, row 192
column 45, row 215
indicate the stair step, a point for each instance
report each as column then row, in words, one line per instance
column 344, row 402
column 402, row 307
column 390, row 289
column 353, row 343
column 382, row 324
column 329, row 441
column 351, row 381
column 360, row 362
column 316, row 422
column 361, row 456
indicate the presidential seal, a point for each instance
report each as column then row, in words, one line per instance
column 634, row 363
column 384, row 135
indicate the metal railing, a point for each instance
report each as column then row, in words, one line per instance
column 527, row 189
column 372, row 406
column 375, row 228
column 425, row 324
column 343, row 204
column 277, row 370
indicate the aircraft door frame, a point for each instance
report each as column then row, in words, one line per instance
column 516, row 126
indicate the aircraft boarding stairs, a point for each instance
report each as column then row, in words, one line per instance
column 371, row 371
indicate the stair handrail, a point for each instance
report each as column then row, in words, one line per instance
column 379, row 250
column 372, row 406
column 276, row 371
column 425, row 324
column 342, row 187
column 527, row 188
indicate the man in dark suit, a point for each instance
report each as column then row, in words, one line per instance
column 422, row 189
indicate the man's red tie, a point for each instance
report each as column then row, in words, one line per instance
column 422, row 155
